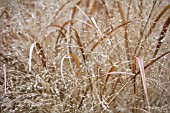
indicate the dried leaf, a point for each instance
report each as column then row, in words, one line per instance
column 141, row 67
column 78, row 64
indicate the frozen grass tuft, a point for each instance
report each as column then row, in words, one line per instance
column 75, row 56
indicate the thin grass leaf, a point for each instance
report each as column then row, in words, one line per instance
column 58, row 26
column 59, row 10
column 119, row 72
column 97, row 28
column 78, row 64
column 61, row 69
column 91, row 10
column 153, row 6
column 154, row 60
column 137, row 49
column 5, row 83
column 62, row 35
column 143, row 110
column 108, row 75
column 129, row 4
column 79, row 43
column 107, row 78
column 157, row 19
column 121, row 11
column 141, row 67
column 106, row 9
column 92, row 7
column 85, row 93
column 42, row 55
column 113, row 89
column 75, row 8
column 83, row 13
column 134, row 72
column 88, row 21
column 107, row 33
column 140, row 8
column 125, row 31
column 162, row 35
column 30, row 55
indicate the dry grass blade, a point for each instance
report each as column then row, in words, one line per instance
column 58, row 26
column 85, row 93
column 97, row 28
column 125, row 30
column 108, row 75
column 75, row 8
column 67, row 22
column 88, row 21
column 61, row 69
column 92, row 7
column 134, row 71
column 5, row 83
column 149, row 16
column 4, row 11
column 127, row 16
column 108, row 32
column 41, row 54
column 141, row 67
column 155, row 60
column 59, row 10
column 146, row 66
column 78, row 64
column 113, row 89
column 162, row 35
column 87, row 17
column 107, row 78
column 142, row 31
column 79, row 43
column 62, row 33
column 157, row 19
column 121, row 11
column 30, row 56
column 143, row 110
column 137, row 50
column 140, row 8
column 106, row 9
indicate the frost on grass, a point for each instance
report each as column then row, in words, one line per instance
column 84, row 58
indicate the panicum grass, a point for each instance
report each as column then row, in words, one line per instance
column 80, row 56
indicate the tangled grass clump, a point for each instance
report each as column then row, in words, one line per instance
column 109, row 56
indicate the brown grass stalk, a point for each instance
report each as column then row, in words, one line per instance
column 125, row 31
column 78, row 64
column 162, row 35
